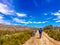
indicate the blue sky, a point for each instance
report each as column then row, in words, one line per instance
column 34, row 13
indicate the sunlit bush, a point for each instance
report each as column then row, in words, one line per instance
column 14, row 38
column 53, row 34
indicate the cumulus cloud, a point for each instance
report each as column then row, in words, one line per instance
column 5, row 22
column 58, row 21
column 58, row 18
column 21, row 15
column 5, row 9
column 1, row 17
column 57, row 14
column 21, row 21
column 2, row 21
column 36, row 22
column 27, row 22
column 18, row 20
column 8, row 2
column 44, row 22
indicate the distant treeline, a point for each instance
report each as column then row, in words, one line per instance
column 53, row 31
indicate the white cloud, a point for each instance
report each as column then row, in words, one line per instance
column 27, row 22
column 5, row 9
column 58, row 21
column 39, row 22
column 57, row 14
column 21, row 21
column 30, row 22
column 21, row 15
column 8, row 2
column 2, row 21
column 44, row 22
column 1, row 17
column 56, row 18
column 58, row 10
column 18, row 20
column 5, row 22
column 36, row 22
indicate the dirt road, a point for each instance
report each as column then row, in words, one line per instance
column 45, row 40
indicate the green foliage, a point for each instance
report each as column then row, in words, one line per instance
column 53, row 33
column 14, row 37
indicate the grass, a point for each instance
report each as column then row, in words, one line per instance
column 53, row 34
column 14, row 38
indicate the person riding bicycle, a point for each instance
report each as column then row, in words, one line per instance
column 40, row 32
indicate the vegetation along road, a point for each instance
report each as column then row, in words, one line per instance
column 45, row 40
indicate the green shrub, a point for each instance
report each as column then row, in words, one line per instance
column 53, row 34
column 15, row 38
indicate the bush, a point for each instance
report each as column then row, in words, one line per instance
column 15, row 38
column 53, row 34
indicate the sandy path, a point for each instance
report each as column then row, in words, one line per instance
column 45, row 40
